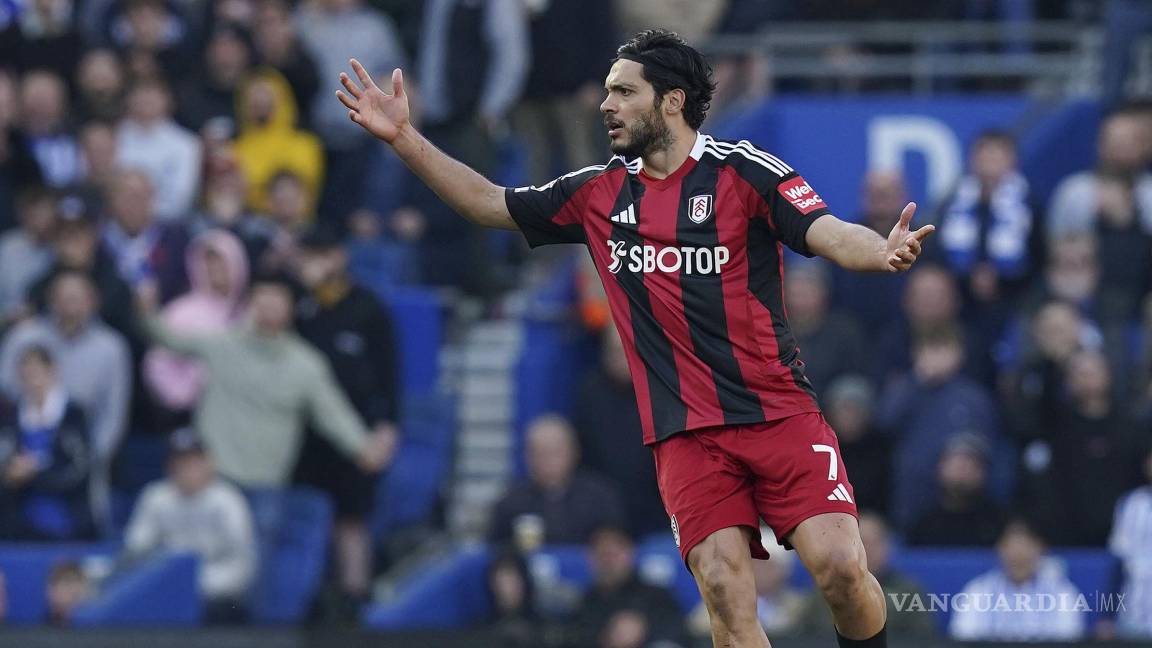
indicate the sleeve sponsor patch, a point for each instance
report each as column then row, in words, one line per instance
column 798, row 192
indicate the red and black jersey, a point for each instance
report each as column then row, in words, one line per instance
column 693, row 268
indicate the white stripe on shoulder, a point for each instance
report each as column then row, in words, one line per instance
column 745, row 145
column 723, row 155
column 728, row 149
column 546, row 187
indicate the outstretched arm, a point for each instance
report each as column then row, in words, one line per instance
column 387, row 117
column 856, row 247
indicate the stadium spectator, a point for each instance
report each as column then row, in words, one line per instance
column 607, row 421
column 1122, row 155
column 833, row 343
column 563, row 92
column 290, row 215
column 849, row 405
column 989, row 238
column 779, row 605
column 619, row 610
column 223, row 206
column 513, row 621
column 931, row 300
column 264, row 383
column 68, row 588
column 218, row 271
column 44, row 38
column 1026, row 573
column 350, row 327
column 98, row 152
column 386, row 251
column 153, row 36
column 94, row 366
column 144, row 248
column 194, row 510
column 1091, row 458
column 1131, row 536
column 76, row 247
column 44, row 458
column 100, row 84
column 46, row 129
column 334, row 31
column 210, row 92
column 963, row 515
column 558, row 503
column 1125, row 23
column 1034, row 388
column 269, row 140
column 278, row 46
column 25, row 252
column 924, row 408
column 148, row 139
column 878, row 546
column 18, row 168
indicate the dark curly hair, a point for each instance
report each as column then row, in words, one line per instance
column 670, row 63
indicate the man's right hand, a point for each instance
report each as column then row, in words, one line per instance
column 384, row 115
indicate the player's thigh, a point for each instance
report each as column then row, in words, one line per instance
column 799, row 471
column 704, row 490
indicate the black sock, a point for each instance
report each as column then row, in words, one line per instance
column 880, row 640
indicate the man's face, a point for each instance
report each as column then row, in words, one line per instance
column 75, row 245
column 551, row 454
column 43, row 100
column 612, row 558
column 1020, row 553
column 271, row 306
column 191, row 471
column 72, row 300
column 884, row 197
column 961, row 473
column 930, row 297
column 635, row 125
column 131, row 202
column 261, row 100
column 318, row 267
column 148, row 103
column 100, row 73
column 992, row 160
column 1123, row 145
column 98, row 144
column 288, row 203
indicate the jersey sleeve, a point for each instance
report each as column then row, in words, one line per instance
column 793, row 206
column 552, row 213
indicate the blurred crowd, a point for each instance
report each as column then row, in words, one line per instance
column 193, row 238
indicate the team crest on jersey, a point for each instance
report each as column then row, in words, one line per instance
column 700, row 208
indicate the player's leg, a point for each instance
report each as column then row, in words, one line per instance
column 722, row 567
column 803, row 493
column 829, row 546
column 709, row 498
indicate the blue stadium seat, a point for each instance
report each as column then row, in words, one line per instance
column 418, row 317
column 450, row 593
column 163, row 591
column 26, row 568
column 293, row 528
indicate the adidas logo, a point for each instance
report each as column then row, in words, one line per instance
column 840, row 493
column 627, row 217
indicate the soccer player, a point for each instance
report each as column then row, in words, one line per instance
column 686, row 232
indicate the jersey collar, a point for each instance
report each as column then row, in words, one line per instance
column 637, row 166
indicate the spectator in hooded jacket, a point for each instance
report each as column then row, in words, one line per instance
column 218, row 271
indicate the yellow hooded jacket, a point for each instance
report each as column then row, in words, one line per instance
column 263, row 150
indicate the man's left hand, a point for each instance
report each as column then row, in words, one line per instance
column 904, row 245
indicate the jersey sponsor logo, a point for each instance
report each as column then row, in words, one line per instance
column 649, row 258
column 798, row 192
column 700, row 208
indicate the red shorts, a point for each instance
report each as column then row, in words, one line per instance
column 783, row 471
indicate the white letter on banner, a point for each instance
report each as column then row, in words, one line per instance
column 890, row 138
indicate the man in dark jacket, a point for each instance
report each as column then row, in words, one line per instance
column 620, row 609
column 352, row 329
column 45, row 458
